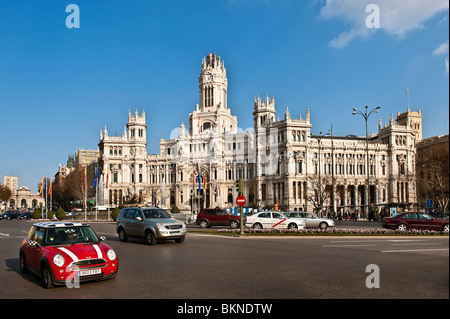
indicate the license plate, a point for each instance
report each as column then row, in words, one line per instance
column 89, row 272
column 175, row 233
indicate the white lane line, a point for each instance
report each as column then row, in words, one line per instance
column 416, row 244
column 337, row 246
column 411, row 250
column 2, row 234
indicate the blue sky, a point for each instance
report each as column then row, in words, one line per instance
column 60, row 86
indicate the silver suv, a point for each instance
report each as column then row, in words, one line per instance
column 149, row 223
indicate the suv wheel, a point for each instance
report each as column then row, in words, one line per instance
column 234, row 224
column 203, row 223
column 180, row 240
column 122, row 235
column 149, row 238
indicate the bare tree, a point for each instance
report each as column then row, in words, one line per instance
column 318, row 193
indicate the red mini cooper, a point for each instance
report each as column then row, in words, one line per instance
column 62, row 252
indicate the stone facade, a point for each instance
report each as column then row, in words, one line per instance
column 278, row 161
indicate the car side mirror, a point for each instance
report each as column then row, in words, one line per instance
column 139, row 218
column 102, row 238
column 32, row 243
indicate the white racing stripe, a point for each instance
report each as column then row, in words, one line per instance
column 99, row 252
column 68, row 252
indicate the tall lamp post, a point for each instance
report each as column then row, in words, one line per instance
column 366, row 115
column 319, row 141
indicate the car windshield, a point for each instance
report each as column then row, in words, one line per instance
column 69, row 235
column 155, row 213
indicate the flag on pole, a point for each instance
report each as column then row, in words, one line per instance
column 96, row 176
column 84, row 180
column 50, row 188
column 199, row 182
column 206, row 186
column 40, row 187
column 107, row 177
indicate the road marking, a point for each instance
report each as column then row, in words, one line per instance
column 416, row 244
column 348, row 246
column 1, row 234
column 411, row 250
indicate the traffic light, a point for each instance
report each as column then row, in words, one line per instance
column 239, row 186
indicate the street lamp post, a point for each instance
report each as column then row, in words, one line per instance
column 366, row 115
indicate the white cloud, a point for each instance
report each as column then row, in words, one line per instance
column 397, row 17
column 442, row 49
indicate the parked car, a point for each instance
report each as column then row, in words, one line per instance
column 26, row 215
column 273, row 220
column 415, row 220
column 11, row 214
column 311, row 220
column 150, row 223
column 217, row 217
column 56, row 250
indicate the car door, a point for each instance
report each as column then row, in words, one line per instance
column 34, row 249
column 221, row 218
column 138, row 223
column 128, row 217
column 427, row 222
column 279, row 221
column 412, row 220
column 311, row 220
column 265, row 219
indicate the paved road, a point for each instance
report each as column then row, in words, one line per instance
column 212, row 267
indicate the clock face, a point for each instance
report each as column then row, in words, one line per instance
column 209, row 77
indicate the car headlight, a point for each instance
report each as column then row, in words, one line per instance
column 58, row 260
column 111, row 254
column 160, row 227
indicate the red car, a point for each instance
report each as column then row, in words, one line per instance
column 415, row 220
column 61, row 252
column 217, row 217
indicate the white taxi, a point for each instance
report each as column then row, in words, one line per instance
column 273, row 220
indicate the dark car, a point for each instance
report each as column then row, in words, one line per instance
column 415, row 220
column 11, row 214
column 217, row 217
column 26, row 215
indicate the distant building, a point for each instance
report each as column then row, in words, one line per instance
column 432, row 171
column 278, row 161
column 21, row 197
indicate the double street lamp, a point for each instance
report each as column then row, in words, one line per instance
column 366, row 115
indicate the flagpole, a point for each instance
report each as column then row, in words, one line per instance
column 85, row 194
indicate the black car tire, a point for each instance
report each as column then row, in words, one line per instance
column 402, row 227
column 203, row 223
column 122, row 235
column 234, row 224
column 46, row 277
column 445, row 228
column 22, row 266
column 292, row 226
column 257, row 226
column 149, row 238
column 323, row 225
column 179, row 240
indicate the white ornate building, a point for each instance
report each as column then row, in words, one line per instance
column 278, row 161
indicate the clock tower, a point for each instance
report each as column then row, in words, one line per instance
column 212, row 113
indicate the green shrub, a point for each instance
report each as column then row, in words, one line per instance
column 60, row 213
column 175, row 210
column 115, row 212
column 37, row 214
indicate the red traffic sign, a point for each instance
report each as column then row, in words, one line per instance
column 240, row 200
